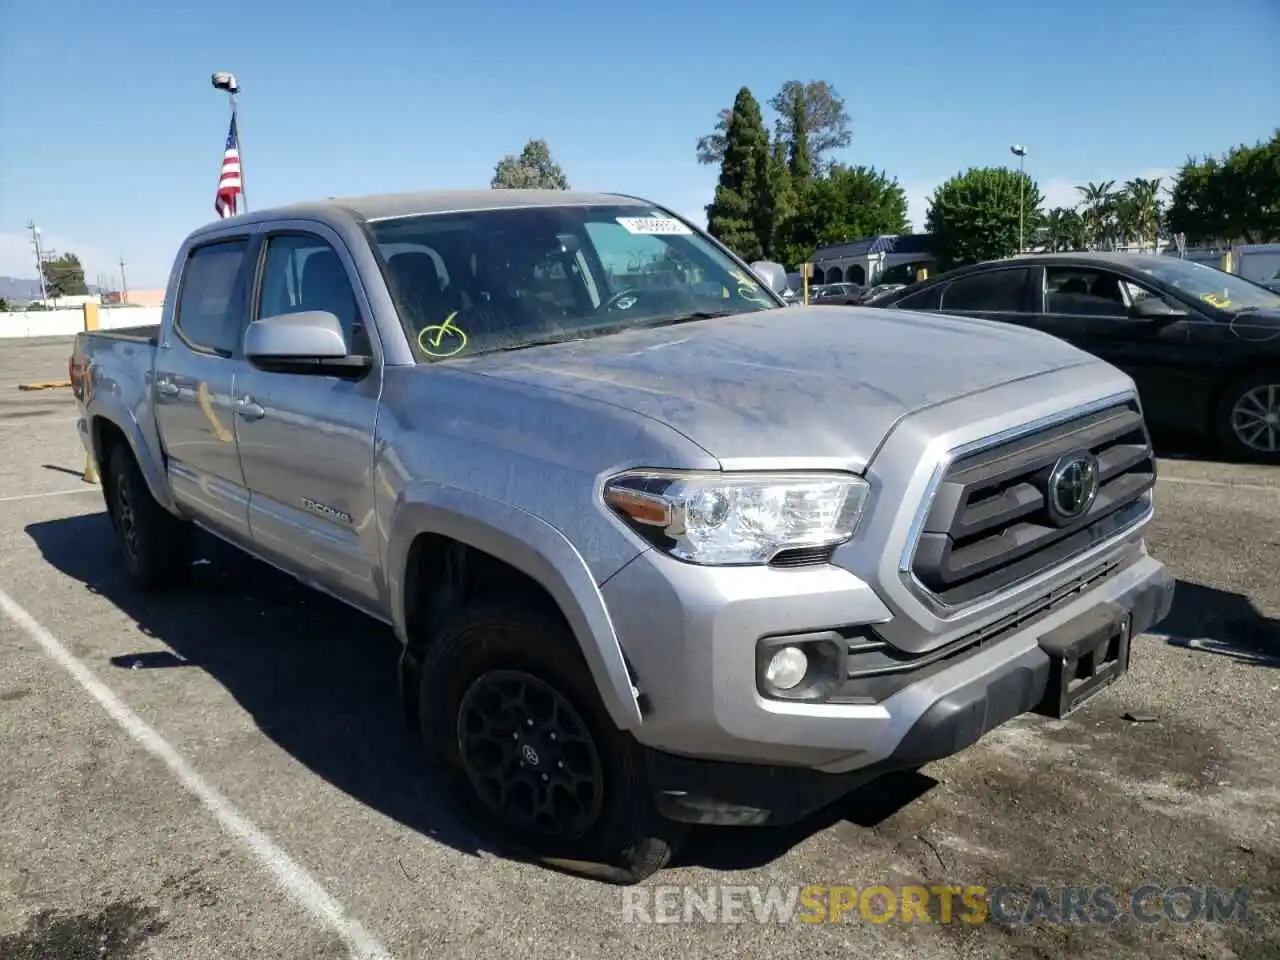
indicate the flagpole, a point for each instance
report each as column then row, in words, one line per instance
column 227, row 81
column 243, row 199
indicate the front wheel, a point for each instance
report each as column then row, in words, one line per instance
column 1248, row 418
column 508, row 706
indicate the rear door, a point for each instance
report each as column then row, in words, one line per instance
column 1091, row 307
column 195, row 375
column 1002, row 293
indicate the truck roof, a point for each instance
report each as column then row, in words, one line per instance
column 383, row 206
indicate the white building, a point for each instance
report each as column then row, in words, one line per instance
column 873, row 260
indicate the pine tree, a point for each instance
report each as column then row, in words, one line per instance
column 741, row 215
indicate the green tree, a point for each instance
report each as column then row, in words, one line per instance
column 533, row 169
column 847, row 203
column 1235, row 198
column 1063, row 231
column 4, row 305
column 1141, row 211
column 741, row 214
column 814, row 120
column 975, row 215
column 796, row 134
column 1099, row 201
column 825, row 124
column 64, row 276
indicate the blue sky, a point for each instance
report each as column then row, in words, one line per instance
column 111, row 136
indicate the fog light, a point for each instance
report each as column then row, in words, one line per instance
column 786, row 668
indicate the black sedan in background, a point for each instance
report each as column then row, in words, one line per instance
column 1202, row 345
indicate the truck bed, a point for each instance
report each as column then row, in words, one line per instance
column 149, row 332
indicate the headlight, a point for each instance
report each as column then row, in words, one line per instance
column 737, row 518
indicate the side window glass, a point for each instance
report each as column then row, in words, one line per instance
column 922, row 300
column 305, row 273
column 208, row 308
column 1001, row 291
column 1083, row 292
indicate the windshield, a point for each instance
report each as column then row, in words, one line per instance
column 476, row 282
column 1210, row 285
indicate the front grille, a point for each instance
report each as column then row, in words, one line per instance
column 990, row 524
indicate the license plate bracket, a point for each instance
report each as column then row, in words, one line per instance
column 1086, row 656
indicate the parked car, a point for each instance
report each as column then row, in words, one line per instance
column 836, row 294
column 873, row 294
column 1202, row 345
column 657, row 555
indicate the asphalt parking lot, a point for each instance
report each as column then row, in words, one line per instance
column 222, row 773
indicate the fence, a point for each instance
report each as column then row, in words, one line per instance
column 66, row 323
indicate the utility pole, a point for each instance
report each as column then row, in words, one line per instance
column 124, row 284
column 35, row 242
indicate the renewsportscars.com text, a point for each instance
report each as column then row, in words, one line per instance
column 1010, row 904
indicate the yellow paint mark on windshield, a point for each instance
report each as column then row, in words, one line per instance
column 442, row 340
column 749, row 290
column 1212, row 298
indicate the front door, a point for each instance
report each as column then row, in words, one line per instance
column 195, row 381
column 1092, row 308
column 306, row 441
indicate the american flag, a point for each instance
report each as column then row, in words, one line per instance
column 230, row 182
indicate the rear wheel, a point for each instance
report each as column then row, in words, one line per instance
column 508, row 706
column 1248, row 417
column 156, row 545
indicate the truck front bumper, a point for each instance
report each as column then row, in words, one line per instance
column 720, row 751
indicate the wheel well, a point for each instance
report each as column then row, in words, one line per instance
column 106, row 437
column 443, row 575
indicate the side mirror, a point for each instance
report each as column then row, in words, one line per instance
column 772, row 275
column 1156, row 308
column 307, row 342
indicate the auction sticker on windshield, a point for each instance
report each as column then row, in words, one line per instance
column 649, row 226
column 1212, row 298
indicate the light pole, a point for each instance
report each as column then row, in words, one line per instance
column 1020, row 151
column 228, row 83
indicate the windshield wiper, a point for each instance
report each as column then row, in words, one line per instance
column 688, row 318
column 543, row 342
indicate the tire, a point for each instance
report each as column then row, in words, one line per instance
column 156, row 545
column 612, row 830
column 1237, row 418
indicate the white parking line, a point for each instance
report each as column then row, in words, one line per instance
column 1193, row 482
column 304, row 888
column 51, row 493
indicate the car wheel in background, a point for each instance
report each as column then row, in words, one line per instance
column 1248, row 417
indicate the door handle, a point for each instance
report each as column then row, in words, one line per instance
column 167, row 388
column 246, row 409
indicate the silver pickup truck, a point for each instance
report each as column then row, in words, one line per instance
column 660, row 549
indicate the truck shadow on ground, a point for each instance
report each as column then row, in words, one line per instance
column 1216, row 621
column 319, row 679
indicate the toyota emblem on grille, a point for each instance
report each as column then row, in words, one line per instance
column 1073, row 486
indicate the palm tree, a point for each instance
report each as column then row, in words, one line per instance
column 1097, row 199
column 1143, row 196
column 1064, row 230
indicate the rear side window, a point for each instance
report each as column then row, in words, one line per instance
column 920, row 300
column 991, row 291
column 209, row 308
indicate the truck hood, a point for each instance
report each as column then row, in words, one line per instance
column 795, row 382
